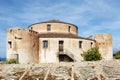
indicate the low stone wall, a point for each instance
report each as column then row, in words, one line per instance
column 98, row 70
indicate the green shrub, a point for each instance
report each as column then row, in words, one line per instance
column 11, row 61
column 92, row 55
column 116, row 55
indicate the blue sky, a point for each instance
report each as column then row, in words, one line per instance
column 91, row 16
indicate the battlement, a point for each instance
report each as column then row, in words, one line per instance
column 103, row 36
column 22, row 31
column 15, row 29
column 32, row 31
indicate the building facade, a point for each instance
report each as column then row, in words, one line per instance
column 52, row 42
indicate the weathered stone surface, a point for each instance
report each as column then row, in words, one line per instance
column 99, row 70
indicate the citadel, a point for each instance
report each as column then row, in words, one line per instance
column 53, row 41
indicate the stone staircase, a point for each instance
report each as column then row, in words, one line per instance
column 74, row 57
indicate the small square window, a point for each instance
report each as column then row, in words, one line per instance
column 45, row 44
column 48, row 27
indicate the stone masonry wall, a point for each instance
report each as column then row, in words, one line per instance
column 104, row 42
column 98, row 70
column 55, row 28
column 23, row 44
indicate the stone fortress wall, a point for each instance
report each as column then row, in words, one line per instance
column 26, row 45
column 23, row 45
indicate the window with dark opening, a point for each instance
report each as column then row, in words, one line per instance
column 31, row 27
column 45, row 44
column 91, row 44
column 69, row 28
column 10, row 44
column 61, row 47
column 48, row 27
column 10, row 30
column 80, row 44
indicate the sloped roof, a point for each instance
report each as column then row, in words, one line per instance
column 61, row 35
column 54, row 21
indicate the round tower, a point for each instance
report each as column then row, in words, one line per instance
column 54, row 26
column 104, row 42
column 22, row 45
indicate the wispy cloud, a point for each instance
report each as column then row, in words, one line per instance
column 91, row 16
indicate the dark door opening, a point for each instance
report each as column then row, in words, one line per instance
column 65, row 58
column 61, row 46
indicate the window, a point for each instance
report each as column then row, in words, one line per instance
column 45, row 44
column 10, row 30
column 91, row 44
column 69, row 28
column 48, row 27
column 80, row 44
column 61, row 47
column 10, row 44
column 31, row 27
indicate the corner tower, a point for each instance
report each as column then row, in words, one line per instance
column 104, row 42
column 22, row 45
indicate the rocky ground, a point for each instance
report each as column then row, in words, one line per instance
column 98, row 70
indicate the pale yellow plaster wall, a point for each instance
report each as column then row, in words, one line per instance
column 71, row 45
column 55, row 28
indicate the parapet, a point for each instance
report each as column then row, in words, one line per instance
column 103, row 36
column 22, row 30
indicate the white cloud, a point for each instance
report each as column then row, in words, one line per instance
column 82, row 15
